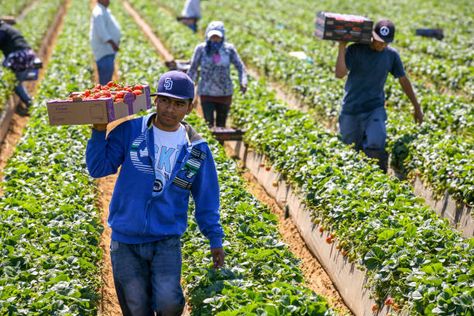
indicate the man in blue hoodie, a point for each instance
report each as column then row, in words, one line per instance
column 163, row 160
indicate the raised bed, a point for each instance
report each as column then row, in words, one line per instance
column 459, row 215
column 350, row 281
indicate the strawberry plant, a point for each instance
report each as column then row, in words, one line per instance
column 50, row 226
column 13, row 8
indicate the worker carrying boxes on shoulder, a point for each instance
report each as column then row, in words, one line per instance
column 362, row 120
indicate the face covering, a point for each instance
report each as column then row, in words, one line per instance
column 214, row 46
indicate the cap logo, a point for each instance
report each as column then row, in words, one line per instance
column 384, row 31
column 168, row 84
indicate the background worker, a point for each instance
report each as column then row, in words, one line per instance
column 215, row 87
column 162, row 161
column 105, row 40
column 363, row 117
column 19, row 57
column 191, row 14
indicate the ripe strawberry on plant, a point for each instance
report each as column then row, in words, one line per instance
column 389, row 301
column 375, row 308
column 396, row 307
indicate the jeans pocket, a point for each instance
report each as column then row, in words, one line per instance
column 171, row 243
column 114, row 246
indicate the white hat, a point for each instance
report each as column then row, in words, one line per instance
column 215, row 32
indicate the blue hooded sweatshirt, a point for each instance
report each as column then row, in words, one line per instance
column 136, row 216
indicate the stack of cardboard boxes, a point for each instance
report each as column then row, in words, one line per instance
column 343, row 27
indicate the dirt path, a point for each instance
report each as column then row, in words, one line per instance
column 109, row 305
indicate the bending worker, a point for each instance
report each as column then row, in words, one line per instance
column 215, row 88
column 19, row 57
column 363, row 117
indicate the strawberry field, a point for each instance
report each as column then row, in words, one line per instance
column 414, row 261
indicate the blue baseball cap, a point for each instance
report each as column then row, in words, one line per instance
column 175, row 84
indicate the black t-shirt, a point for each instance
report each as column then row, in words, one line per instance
column 11, row 39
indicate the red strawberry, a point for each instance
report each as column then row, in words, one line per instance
column 389, row 301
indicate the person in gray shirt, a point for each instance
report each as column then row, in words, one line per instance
column 215, row 87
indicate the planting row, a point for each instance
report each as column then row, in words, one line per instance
column 33, row 27
column 405, row 138
column 252, row 237
column 51, row 229
column 409, row 253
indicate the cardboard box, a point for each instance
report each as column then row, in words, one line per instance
column 343, row 27
column 96, row 111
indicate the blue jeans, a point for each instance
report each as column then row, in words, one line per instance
column 105, row 67
column 365, row 130
column 148, row 277
column 20, row 89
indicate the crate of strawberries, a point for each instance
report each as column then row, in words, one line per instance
column 99, row 105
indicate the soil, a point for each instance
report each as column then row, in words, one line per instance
column 15, row 131
column 109, row 305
